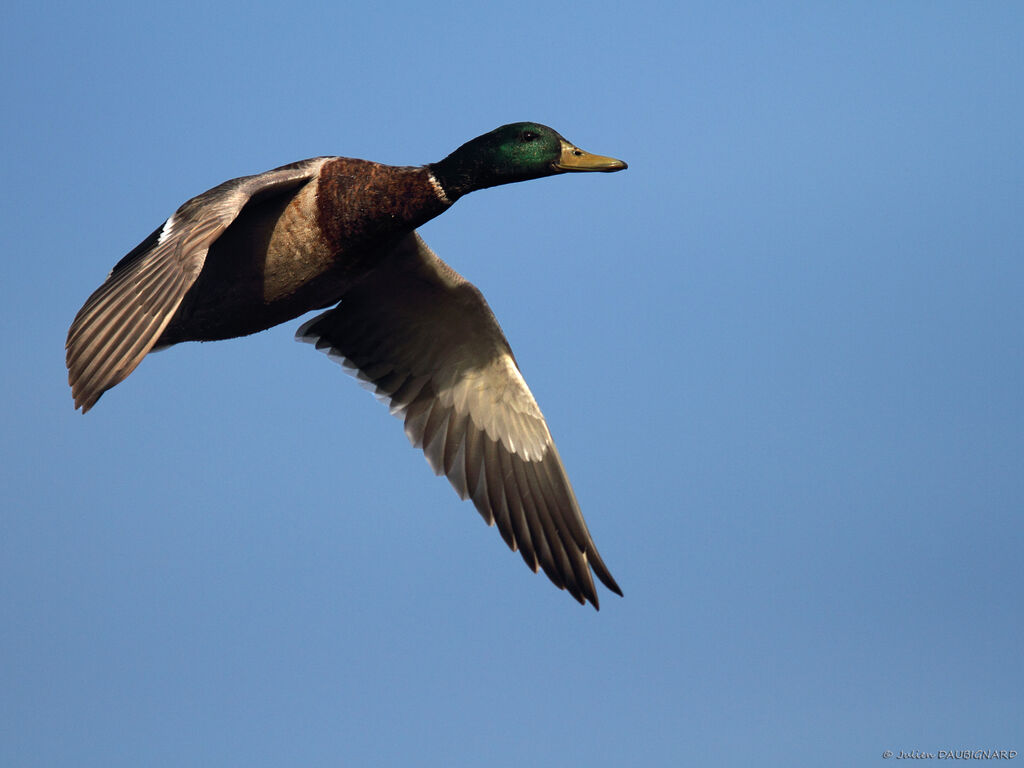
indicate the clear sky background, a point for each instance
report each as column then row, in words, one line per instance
column 782, row 356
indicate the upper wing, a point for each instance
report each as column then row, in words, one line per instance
column 427, row 342
column 123, row 319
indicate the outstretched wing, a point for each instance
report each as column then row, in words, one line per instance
column 426, row 341
column 123, row 319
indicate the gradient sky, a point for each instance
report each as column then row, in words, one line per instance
column 782, row 356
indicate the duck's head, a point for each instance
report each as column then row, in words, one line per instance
column 514, row 152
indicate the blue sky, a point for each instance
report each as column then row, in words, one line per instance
column 782, row 356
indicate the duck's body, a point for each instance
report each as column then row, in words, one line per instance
column 257, row 251
column 299, row 246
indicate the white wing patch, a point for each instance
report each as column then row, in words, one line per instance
column 166, row 231
column 499, row 402
column 496, row 399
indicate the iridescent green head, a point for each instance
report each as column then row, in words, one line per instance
column 514, row 152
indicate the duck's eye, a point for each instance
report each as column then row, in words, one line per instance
column 530, row 136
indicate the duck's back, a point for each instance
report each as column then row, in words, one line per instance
column 299, row 250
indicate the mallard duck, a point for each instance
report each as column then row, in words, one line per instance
column 256, row 251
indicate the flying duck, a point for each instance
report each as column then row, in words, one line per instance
column 259, row 250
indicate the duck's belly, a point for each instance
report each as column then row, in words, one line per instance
column 271, row 265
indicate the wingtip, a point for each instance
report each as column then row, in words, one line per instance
column 611, row 584
column 612, row 587
column 83, row 400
